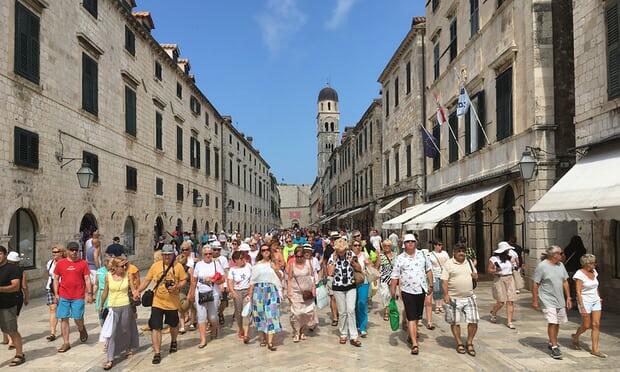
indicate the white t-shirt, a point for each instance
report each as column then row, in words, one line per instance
column 376, row 242
column 51, row 265
column 224, row 262
column 204, row 270
column 589, row 290
column 505, row 267
column 240, row 276
column 362, row 258
column 253, row 255
column 438, row 262
column 514, row 256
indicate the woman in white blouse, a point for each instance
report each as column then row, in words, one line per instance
column 504, row 291
column 590, row 303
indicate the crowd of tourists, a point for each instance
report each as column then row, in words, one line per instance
column 192, row 279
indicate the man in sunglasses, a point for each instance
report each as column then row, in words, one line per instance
column 71, row 284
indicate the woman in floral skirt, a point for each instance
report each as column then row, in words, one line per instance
column 264, row 292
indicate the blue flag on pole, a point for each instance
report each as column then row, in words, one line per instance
column 463, row 104
column 430, row 144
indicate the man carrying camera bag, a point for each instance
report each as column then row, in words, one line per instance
column 170, row 278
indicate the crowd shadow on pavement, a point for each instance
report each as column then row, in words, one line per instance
column 33, row 354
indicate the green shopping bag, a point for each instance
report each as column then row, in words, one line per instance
column 394, row 315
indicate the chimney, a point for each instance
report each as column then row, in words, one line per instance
column 145, row 19
column 249, row 139
column 184, row 65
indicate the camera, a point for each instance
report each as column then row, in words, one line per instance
column 169, row 283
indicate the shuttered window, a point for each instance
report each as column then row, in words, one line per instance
column 474, row 17
column 132, row 178
column 437, row 138
column 26, row 148
column 158, row 70
column 179, row 91
column 503, row 94
column 396, row 98
column 453, row 148
column 179, row 143
column 436, row 61
column 130, row 111
column 93, row 162
column 90, row 87
column 90, row 6
column 613, row 48
column 130, row 41
column 26, row 43
column 396, row 166
column 408, row 157
column 159, row 186
column 179, row 192
column 453, row 40
column 159, row 131
column 192, row 154
column 474, row 137
column 208, row 159
column 216, row 164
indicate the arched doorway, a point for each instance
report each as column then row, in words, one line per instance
column 509, row 216
column 216, row 228
column 129, row 236
column 158, row 230
column 295, row 224
column 23, row 232
column 179, row 226
column 88, row 226
column 207, row 229
column 195, row 228
column 479, row 236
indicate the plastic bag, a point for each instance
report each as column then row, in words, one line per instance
column 322, row 299
column 394, row 315
column 247, row 309
column 106, row 329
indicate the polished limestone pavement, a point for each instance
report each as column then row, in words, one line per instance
column 498, row 348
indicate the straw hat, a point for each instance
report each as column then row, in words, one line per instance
column 503, row 247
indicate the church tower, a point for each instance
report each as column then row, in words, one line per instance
column 327, row 121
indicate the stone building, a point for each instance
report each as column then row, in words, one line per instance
column 507, row 56
column 294, row 206
column 250, row 189
column 590, row 191
column 101, row 90
column 402, row 89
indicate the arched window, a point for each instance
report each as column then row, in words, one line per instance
column 332, row 125
column 207, row 227
column 508, row 205
column 321, row 106
column 326, row 127
column 23, row 236
column 215, row 228
column 195, row 228
column 129, row 236
column 179, row 224
column 329, row 105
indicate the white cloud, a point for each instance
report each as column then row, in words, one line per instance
column 279, row 21
column 340, row 13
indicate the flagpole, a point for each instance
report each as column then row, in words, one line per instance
column 432, row 137
column 471, row 107
column 456, row 140
column 440, row 108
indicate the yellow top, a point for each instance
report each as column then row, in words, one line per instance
column 164, row 299
column 118, row 291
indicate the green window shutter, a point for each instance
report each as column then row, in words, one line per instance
column 130, row 111
column 192, row 161
column 26, row 43
column 613, row 49
column 197, row 154
column 26, row 148
column 468, row 148
column 482, row 115
column 208, row 160
column 89, row 84
column 179, row 143
column 159, row 131
column 453, row 148
column 503, row 91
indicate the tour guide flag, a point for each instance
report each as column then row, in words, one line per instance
column 430, row 144
column 463, row 104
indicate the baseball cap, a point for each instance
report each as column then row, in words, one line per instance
column 409, row 238
column 167, row 249
column 244, row 247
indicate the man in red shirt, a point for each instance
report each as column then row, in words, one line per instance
column 71, row 279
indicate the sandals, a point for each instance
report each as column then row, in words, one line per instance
column 511, row 326
column 430, row 326
column 296, row 338
column 83, row 335
column 470, row 350
column 51, row 337
column 18, row 360
column 202, row 346
column 156, row 358
column 182, row 331
column 263, row 343
column 107, row 366
column 173, row 347
column 460, row 348
column 436, row 310
column 386, row 317
column 221, row 316
column 271, row 347
column 493, row 318
column 415, row 350
column 334, row 322
column 598, row 354
column 575, row 342
column 303, row 337
column 356, row 343
column 343, row 340
column 363, row 334
column 246, row 339
column 64, row 348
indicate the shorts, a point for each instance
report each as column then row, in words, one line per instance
column 156, row 321
column 555, row 316
column 504, row 289
column 73, row 309
column 590, row 307
column 8, row 320
column 93, row 276
column 414, row 305
column 50, row 297
column 328, row 285
column 462, row 309
column 207, row 310
column 437, row 289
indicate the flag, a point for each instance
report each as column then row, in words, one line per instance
column 441, row 113
column 463, row 105
column 430, row 144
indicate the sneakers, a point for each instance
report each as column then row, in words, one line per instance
column 556, row 353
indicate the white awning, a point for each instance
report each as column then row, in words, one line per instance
column 351, row 213
column 329, row 218
column 389, row 205
column 416, row 210
column 430, row 219
column 590, row 190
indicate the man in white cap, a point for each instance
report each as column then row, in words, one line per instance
column 412, row 272
column 9, row 287
column 216, row 247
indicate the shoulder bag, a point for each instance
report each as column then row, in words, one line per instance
column 207, row 296
column 147, row 296
column 474, row 282
column 306, row 295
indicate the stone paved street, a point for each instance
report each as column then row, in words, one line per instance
column 498, row 347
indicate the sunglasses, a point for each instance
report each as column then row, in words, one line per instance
column 55, row 252
column 235, row 243
column 299, row 256
column 73, row 249
column 357, row 236
column 356, row 245
column 265, row 250
column 185, row 250
column 208, row 254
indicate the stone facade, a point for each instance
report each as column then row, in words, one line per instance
column 294, row 205
column 597, row 119
column 142, row 190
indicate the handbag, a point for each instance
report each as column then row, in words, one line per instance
column 474, row 282
column 205, row 297
column 372, row 273
column 394, row 315
column 147, row 296
column 306, row 295
column 516, row 275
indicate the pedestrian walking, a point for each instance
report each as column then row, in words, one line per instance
column 438, row 258
column 93, row 255
column 23, row 294
column 71, row 286
column 58, row 253
column 328, row 252
column 223, row 261
column 504, row 292
column 265, row 286
column 205, row 291
column 340, row 267
column 589, row 303
column 239, row 277
column 98, row 288
column 548, row 291
column 457, row 280
column 301, row 295
column 170, row 277
column 122, row 328
column 385, row 264
column 9, row 288
column 360, row 262
column 412, row 273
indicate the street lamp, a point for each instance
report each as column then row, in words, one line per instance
column 198, row 200
column 85, row 176
column 527, row 165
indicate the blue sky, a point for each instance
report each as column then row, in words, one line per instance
column 264, row 61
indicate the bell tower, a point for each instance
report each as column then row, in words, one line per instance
column 327, row 121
